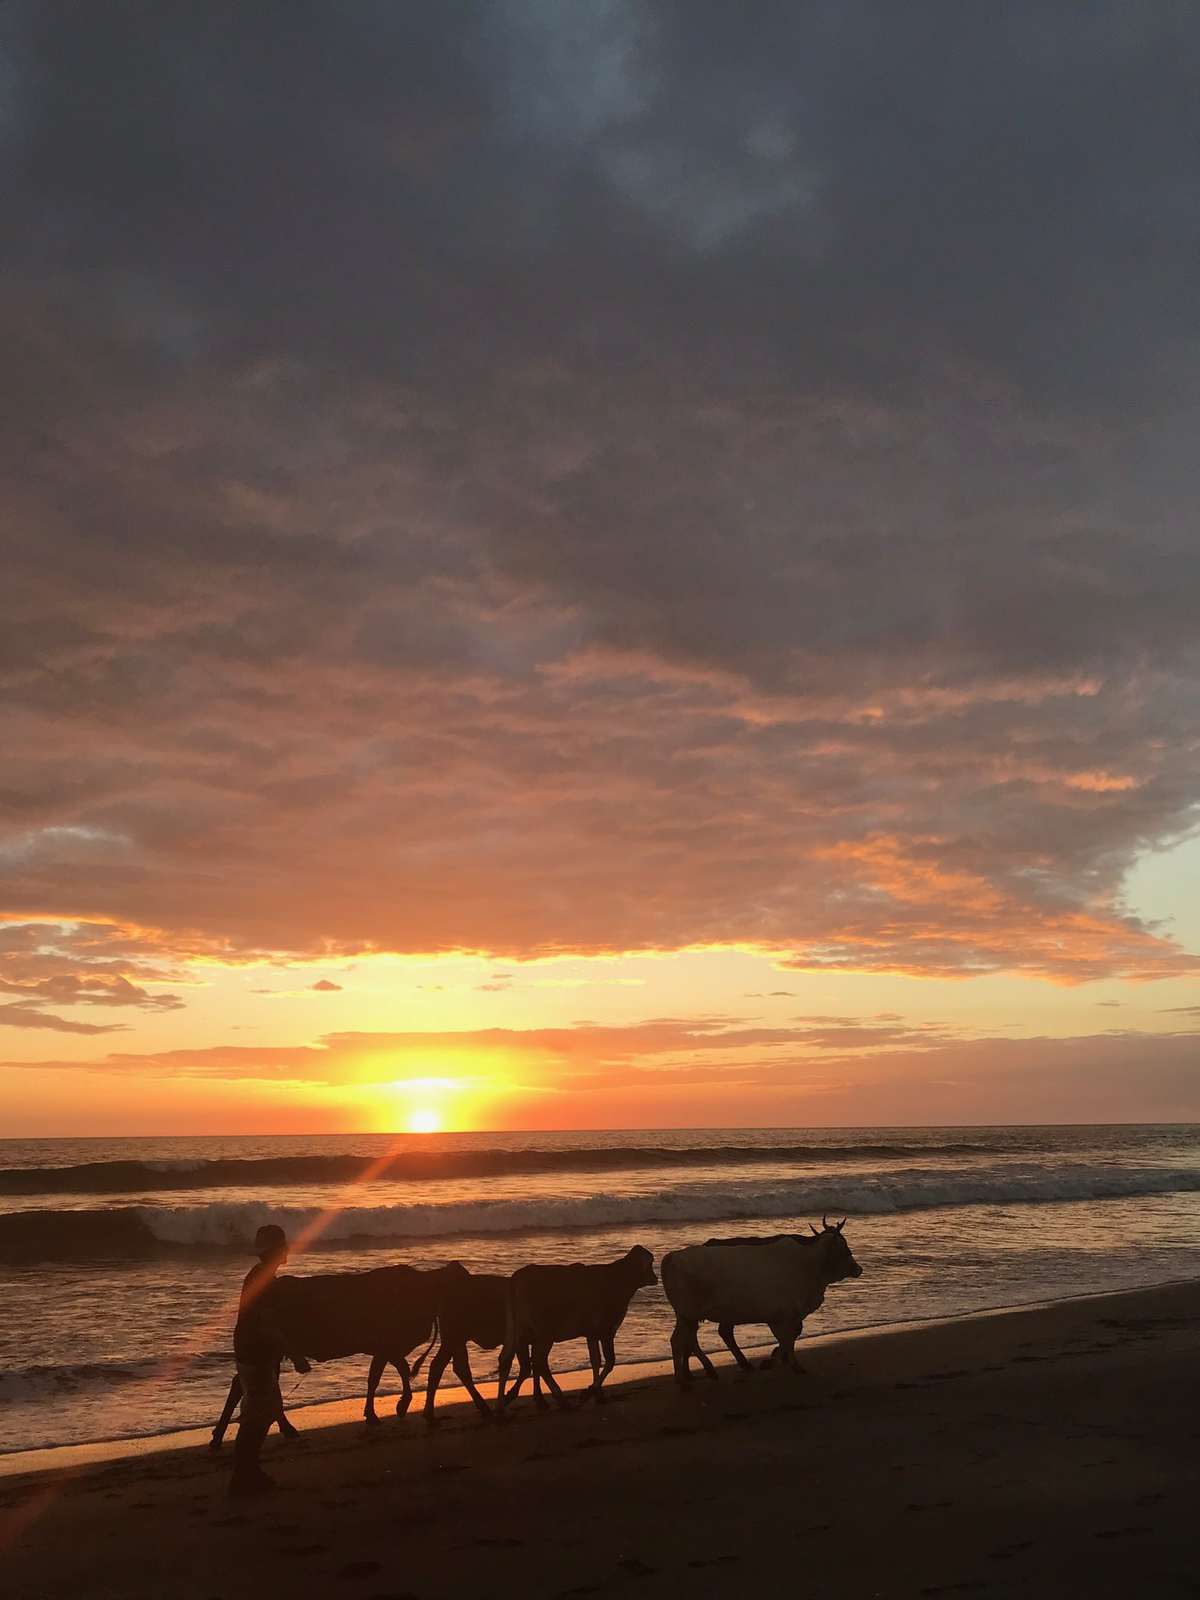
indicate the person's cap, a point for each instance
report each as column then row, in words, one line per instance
column 270, row 1237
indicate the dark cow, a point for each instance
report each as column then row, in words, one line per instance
column 779, row 1281
column 472, row 1312
column 547, row 1304
column 385, row 1314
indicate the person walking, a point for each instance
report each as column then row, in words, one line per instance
column 257, row 1350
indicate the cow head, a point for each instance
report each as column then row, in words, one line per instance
column 642, row 1263
column 839, row 1262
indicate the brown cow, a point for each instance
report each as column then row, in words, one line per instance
column 473, row 1311
column 546, row 1304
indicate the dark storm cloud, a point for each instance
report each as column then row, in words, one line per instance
column 531, row 477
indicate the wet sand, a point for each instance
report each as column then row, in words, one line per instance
column 1045, row 1452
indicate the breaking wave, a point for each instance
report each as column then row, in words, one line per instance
column 48, row 1382
column 132, row 1231
column 134, row 1177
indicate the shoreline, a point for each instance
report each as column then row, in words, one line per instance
column 324, row 1415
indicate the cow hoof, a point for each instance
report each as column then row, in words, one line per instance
column 371, row 1419
column 214, row 1443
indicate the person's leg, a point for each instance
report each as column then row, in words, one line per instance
column 260, row 1399
column 286, row 1428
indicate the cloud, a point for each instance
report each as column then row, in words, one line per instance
column 702, row 500
column 63, row 964
column 27, row 1016
column 325, row 986
column 820, row 1073
column 584, row 1053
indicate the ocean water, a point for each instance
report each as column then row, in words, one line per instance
column 120, row 1259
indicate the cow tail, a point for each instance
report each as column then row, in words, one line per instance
column 420, row 1361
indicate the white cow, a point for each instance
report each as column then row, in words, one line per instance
column 779, row 1281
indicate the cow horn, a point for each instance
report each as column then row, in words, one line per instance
column 824, row 1221
column 815, row 1229
column 842, row 1224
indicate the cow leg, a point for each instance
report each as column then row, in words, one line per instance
column 683, row 1344
column 541, row 1365
column 405, row 1400
column 701, row 1356
column 287, row 1429
column 593, row 1345
column 524, row 1370
column 227, row 1410
column 378, row 1365
column 726, row 1330
column 433, row 1377
column 504, row 1395
column 786, row 1334
column 462, row 1371
column 610, row 1361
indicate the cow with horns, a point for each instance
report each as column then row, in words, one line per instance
column 779, row 1280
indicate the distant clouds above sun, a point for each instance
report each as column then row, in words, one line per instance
column 527, row 483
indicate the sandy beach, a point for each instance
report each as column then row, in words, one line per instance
column 1046, row 1451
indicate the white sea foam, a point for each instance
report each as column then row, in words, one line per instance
column 233, row 1224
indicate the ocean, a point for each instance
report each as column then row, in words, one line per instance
column 120, row 1259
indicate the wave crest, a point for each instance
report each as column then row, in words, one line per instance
column 133, row 1177
column 145, row 1230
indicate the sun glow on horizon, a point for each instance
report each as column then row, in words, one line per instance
column 424, row 1120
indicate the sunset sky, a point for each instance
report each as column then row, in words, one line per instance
column 598, row 564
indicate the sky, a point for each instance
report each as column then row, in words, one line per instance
column 615, row 564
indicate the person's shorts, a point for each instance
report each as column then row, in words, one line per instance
column 261, row 1399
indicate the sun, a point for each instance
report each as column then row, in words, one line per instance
column 424, row 1120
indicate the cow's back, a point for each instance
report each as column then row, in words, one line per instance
column 568, row 1302
column 742, row 1283
column 355, row 1313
